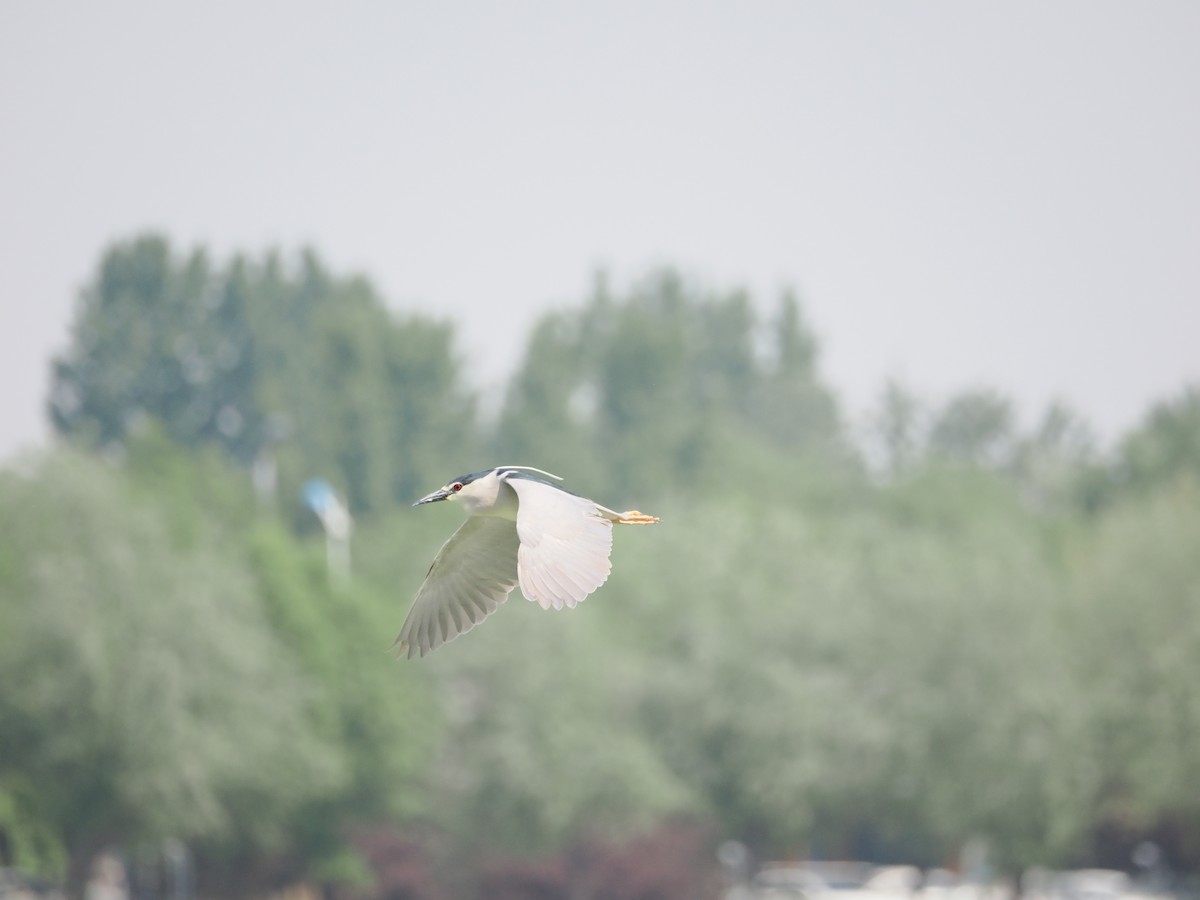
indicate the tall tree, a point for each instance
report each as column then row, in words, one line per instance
column 896, row 429
column 1166, row 446
column 159, row 337
column 795, row 407
column 975, row 427
column 267, row 361
column 126, row 666
column 667, row 382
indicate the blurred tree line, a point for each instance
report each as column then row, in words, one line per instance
column 872, row 639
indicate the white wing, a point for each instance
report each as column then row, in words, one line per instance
column 565, row 544
column 471, row 576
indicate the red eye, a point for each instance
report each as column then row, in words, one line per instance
column 456, row 487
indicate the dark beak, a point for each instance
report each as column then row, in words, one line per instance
column 439, row 494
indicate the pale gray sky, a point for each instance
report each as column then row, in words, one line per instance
column 963, row 193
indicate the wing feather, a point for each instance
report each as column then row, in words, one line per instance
column 473, row 573
column 565, row 544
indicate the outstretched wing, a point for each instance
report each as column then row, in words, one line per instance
column 471, row 576
column 565, row 544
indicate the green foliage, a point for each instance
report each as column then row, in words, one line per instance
column 815, row 711
column 107, row 625
column 650, row 392
column 158, row 337
column 368, row 704
column 993, row 634
column 975, row 427
column 31, row 842
column 166, row 672
column 1167, row 445
column 1135, row 616
column 299, row 367
column 895, row 431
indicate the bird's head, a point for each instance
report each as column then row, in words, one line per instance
column 458, row 488
column 480, row 492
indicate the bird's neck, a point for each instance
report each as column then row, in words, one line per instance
column 496, row 499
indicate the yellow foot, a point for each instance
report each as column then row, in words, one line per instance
column 633, row 517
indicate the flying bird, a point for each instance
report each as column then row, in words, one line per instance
column 520, row 530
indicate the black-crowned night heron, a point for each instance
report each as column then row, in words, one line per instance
column 520, row 529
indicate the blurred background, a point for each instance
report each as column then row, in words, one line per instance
column 889, row 310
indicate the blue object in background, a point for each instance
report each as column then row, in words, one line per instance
column 322, row 499
column 319, row 496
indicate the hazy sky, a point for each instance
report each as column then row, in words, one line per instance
column 962, row 193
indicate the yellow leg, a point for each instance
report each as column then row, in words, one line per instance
column 633, row 517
